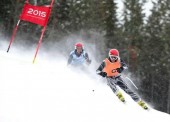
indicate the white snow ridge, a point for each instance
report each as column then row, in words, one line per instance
column 51, row 92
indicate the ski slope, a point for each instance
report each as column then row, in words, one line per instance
column 49, row 91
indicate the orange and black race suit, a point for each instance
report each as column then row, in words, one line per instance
column 111, row 68
column 114, row 79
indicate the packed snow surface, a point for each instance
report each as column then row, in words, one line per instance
column 49, row 91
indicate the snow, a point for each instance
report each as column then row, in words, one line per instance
column 49, row 91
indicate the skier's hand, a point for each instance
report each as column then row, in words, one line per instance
column 103, row 74
column 119, row 70
column 88, row 61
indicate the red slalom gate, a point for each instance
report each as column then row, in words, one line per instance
column 35, row 14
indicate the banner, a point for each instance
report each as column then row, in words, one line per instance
column 35, row 14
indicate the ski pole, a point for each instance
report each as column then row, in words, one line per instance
column 132, row 82
column 13, row 35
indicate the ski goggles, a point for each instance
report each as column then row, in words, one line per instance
column 114, row 57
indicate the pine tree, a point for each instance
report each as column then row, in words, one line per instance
column 155, row 72
column 132, row 31
column 108, row 18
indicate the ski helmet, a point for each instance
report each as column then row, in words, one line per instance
column 78, row 44
column 114, row 52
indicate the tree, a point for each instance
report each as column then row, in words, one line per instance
column 108, row 22
column 154, row 72
column 132, row 29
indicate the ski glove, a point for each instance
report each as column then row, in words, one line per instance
column 103, row 74
column 119, row 70
column 89, row 61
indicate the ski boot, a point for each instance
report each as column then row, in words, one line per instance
column 120, row 96
column 143, row 105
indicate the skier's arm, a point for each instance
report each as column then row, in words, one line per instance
column 69, row 59
column 99, row 71
column 123, row 66
column 87, row 58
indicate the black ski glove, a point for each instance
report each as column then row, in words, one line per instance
column 119, row 70
column 103, row 74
